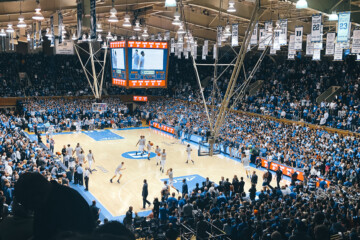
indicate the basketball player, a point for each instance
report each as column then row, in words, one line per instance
column 118, row 171
column 91, row 159
column 246, row 163
column 158, row 155
column 78, row 150
column 141, row 144
column 149, row 147
column 188, row 150
column 81, row 157
column 170, row 173
column 162, row 161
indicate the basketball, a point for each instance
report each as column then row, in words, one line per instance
column 159, row 154
column 151, row 144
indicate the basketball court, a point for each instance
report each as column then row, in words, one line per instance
column 111, row 147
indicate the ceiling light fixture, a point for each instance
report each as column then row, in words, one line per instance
column 99, row 28
column 227, row 31
column 99, row 39
column 145, row 34
column 170, row 3
column 137, row 27
column 176, row 21
column 109, row 36
column 301, row 4
column 10, row 28
column 2, row 33
column 37, row 15
column 74, row 38
column 181, row 29
column 126, row 21
column 113, row 18
column 21, row 23
column 333, row 16
column 231, row 7
column 27, row 36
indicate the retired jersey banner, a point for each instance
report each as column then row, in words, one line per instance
column 343, row 31
column 219, row 34
column 275, row 43
column 316, row 28
column 291, row 48
column 206, row 45
column 93, row 19
column 60, row 27
column 283, row 33
column 309, row 46
column 316, row 55
column 254, row 36
column 298, row 37
column 268, row 33
column 356, row 42
column 262, row 39
column 338, row 52
column 215, row 52
column 330, row 44
column 203, row 55
column 235, row 35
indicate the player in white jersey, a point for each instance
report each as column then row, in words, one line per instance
column 69, row 151
column 78, row 149
column 81, row 157
column 141, row 144
column 188, row 151
column 149, row 147
column 170, row 173
column 91, row 159
column 162, row 161
column 118, row 172
column 158, row 154
column 246, row 163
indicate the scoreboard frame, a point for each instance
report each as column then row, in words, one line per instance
column 130, row 44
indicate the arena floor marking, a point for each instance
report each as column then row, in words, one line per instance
column 116, row 198
column 102, row 135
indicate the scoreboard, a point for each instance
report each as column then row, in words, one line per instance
column 145, row 64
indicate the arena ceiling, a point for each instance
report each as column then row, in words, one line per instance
column 202, row 16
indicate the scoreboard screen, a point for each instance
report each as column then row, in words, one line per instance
column 139, row 64
column 118, row 63
column 147, row 64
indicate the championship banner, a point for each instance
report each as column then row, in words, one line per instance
column 343, row 31
column 206, row 45
column 262, row 39
column 268, row 33
column 79, row 19
column 93, row 19
column 283, row 33
column 60, row 27
column 235, row 35
column 309, row 46
column 215, row 51
column 291, row 48
column 298, row 37
column 218, row 36
column 316, row 55
column 254, row 36
column 330, row 44
column 356, row 42
column 52, row 31
column 316, row 28
column 275, row 43
column 338, row 54
column 203, row 55
column 172, row 45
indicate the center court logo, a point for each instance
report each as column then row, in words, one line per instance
column 132, row 155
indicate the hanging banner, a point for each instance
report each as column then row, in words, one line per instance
column 34, row 37
column 179, row 53
column 254, row 36
column 79, row 19
column 206, row 45
column 203, row 55
column 262, row 39
column 343, row 31
column 309, row 46
column 291, row 48
column 215, row 51
column 93, row 19
column 235, row 35
column 272, row 51
column 275, row 43
column 40, row 35
column 167, row 35
column 338, row 54
column 283, row 33
column 316, row 55
column 316, row 28
column 356, row 42
column 358, row 57
column 298, row 37
column 330, row 44
column 52, row 31
column 186, row 54
column 219, row 33
column 172, row 45
column 268, row 33
column 60, row 17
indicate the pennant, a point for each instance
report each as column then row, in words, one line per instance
column 330, row 44
column 235, row 35
column 343, row 31
column 316, row 28
column 283, row 32
column 356, row 42
column 298, row 37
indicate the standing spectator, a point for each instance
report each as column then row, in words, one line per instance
column 279, row 174
column 86, row 178
column 52, row 145
column 128, row 218
column 95, row 211
column 184, row 189
column 254, row 178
